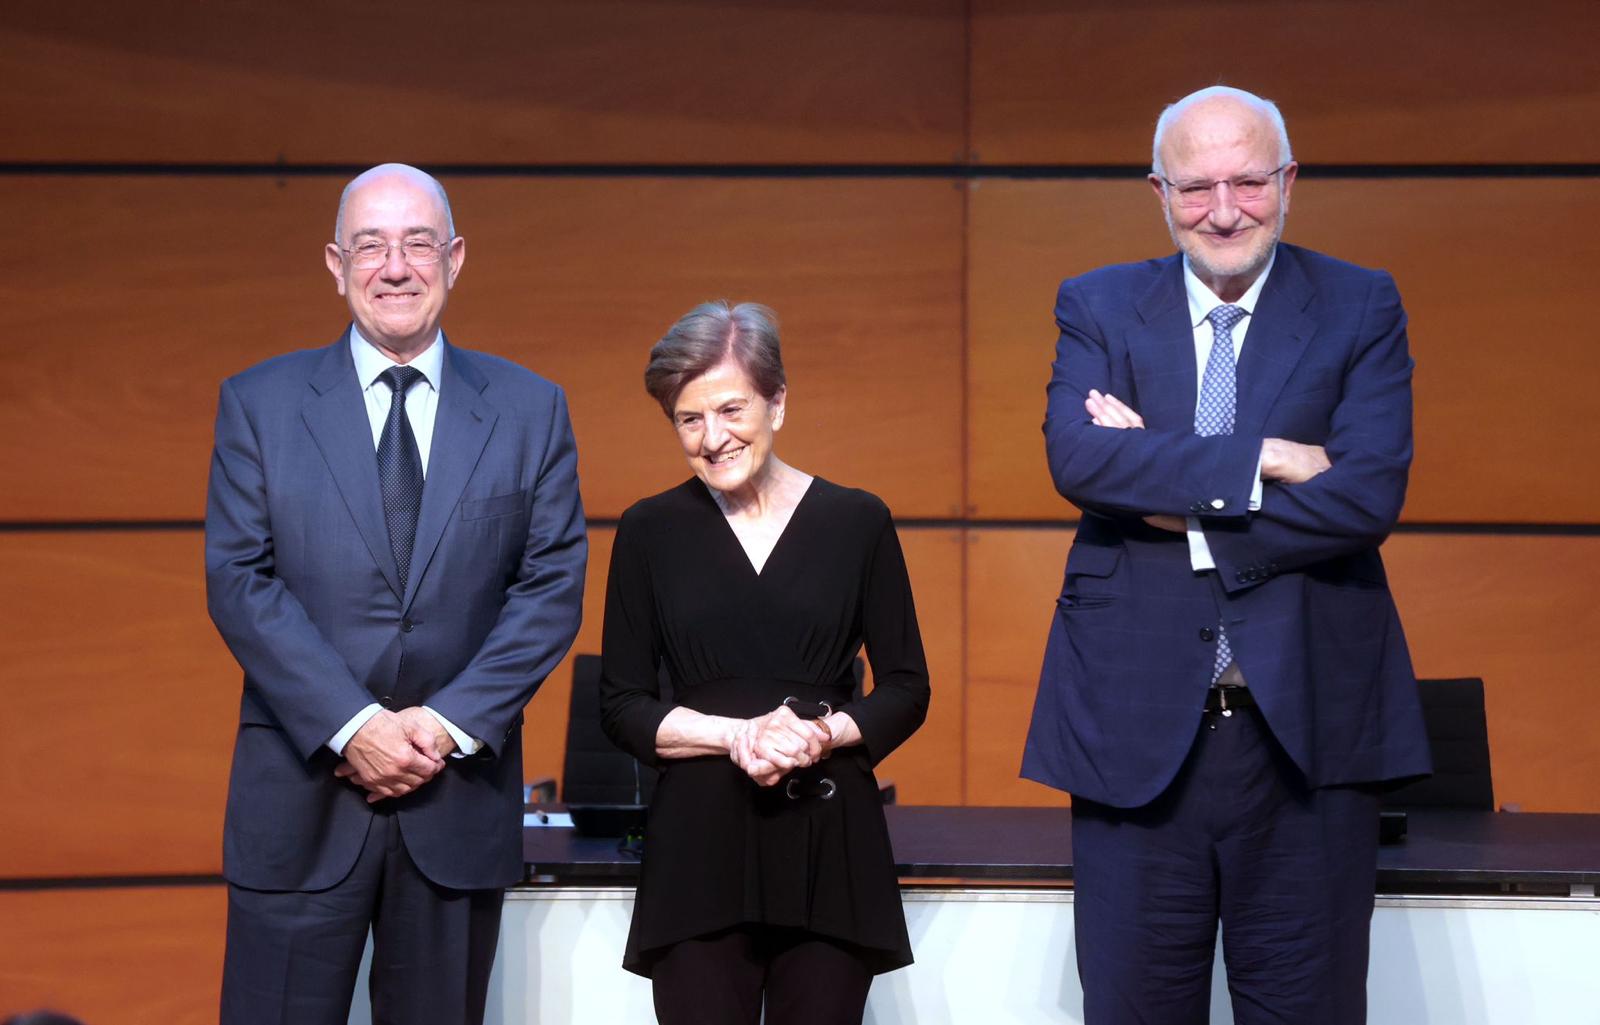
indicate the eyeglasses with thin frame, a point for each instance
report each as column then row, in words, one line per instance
column 1196, row 192
column 372, row 252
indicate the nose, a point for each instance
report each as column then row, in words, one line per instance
column 1224, row 212
column 395, row 267
column 715, row 434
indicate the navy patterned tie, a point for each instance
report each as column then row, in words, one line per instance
column 1214, row 415
column 400, row 470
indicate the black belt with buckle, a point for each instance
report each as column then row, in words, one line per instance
column 805, row 783
column 1224, row 701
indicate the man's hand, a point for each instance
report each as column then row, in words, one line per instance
column 426, row 733
column 1109, row 411
column 1290, row 462
column 382, row 759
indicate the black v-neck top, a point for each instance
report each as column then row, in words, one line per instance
column 719, row 850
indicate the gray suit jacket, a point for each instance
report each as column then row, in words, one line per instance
column 303, row 588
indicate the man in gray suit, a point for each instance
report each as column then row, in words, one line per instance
column 395, row 554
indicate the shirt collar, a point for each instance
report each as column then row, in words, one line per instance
column 1202, row 300
column 370, row 361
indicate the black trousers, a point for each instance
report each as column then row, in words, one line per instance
column 1237, row 839
column 292, row 957
column 720, row 979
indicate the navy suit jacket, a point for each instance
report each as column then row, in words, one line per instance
column 302, row 585
column 1299, row 583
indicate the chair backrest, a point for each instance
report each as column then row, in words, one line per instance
column 1458, row 732
column 596, row 771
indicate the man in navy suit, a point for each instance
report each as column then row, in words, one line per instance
column 395, row 555
column 1226, row 680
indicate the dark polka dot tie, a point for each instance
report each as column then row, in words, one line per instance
column 400, row 470
column 1214, row 415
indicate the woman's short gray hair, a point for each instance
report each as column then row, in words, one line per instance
column 708, row 335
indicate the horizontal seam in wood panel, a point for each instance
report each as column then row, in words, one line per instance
column 952, row 171
column 903, row 523
column 107, row 882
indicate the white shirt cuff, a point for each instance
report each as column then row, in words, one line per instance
column 1199, row 552
column 357, row 721
column 465, row 745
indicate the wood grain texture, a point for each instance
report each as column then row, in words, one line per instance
column 1358, row 82
column 560, row 81
column 1494, row 275
column 575, row 278
column 1519, row 612
column 1516, row 611
column 122, row 703
column 1013, row 578
column 130, row 956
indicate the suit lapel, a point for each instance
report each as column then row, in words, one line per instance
column 336, row 416
column 1279, row 332
column 461, row 428
column 1162, row 350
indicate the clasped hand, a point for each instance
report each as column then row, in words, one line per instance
column 394, row 753
column 771, row 746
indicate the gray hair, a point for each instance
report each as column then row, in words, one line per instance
column 1265, row 107
column 708, row 335
column 372, row 174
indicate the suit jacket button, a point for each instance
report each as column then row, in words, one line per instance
column 1217, row 503
column 1207, row 634
column 1242, row 576
column 406, row 626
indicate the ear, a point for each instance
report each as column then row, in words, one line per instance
column 1288, row 182
column 333, row 256
column 1160, row 188
column 457, row 256
column 777, row 405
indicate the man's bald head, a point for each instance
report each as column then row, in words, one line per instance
column 1200, row 108
column 404, row 172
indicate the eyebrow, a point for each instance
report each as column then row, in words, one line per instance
column 415, row 230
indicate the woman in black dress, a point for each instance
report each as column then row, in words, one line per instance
column 767, row 865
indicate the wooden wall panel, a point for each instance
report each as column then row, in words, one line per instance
column 121, row 702
column 1013, row 578
column 130, row 956
column 1519, row 612
column 1358, row 82
column 1516, row 611
column 573, row 277
column 560, row 81
column 928, row 769
column 1489, row 269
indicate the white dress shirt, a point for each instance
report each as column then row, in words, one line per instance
column 1201, row 302
column 422, row 403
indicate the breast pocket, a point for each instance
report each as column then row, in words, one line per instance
column 496, row 505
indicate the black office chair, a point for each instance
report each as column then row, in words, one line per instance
column 596, row 771
column 1458, row 732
